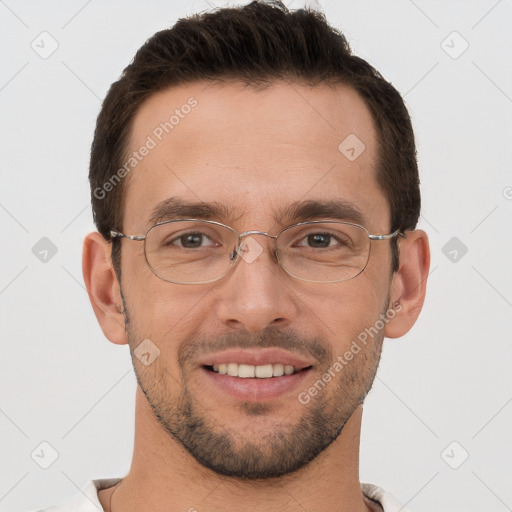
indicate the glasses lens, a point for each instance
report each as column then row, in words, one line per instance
column 190, row 251
column 324, row 251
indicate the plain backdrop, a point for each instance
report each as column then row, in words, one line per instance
column 437, row 423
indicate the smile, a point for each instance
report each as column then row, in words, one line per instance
column 254, row 374
column 247, row 371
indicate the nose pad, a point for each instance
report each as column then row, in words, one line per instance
column 250, row 250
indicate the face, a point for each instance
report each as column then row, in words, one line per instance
column 255, row 152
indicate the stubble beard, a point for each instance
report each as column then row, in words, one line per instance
column 280, row 449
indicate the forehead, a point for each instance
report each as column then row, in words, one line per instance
column 256, row 153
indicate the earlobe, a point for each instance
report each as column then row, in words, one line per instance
column 103, row 287
column 408, row 285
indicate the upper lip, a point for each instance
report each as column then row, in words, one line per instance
column 256, row 358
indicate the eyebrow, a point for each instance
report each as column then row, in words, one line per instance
column 298, row 211
column 175, row 207
column 313, row 209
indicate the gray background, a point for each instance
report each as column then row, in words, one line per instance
column 63, row 383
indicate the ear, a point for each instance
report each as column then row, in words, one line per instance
column 103, row 287
column 409, row 283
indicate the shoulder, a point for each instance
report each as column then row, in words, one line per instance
column 384, row 498
column 86, row 500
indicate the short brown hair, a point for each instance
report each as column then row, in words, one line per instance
column 257, row 44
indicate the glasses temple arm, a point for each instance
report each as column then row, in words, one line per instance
column 116, row 234
column 385, row 237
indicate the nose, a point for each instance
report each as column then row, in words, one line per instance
column 257, row 293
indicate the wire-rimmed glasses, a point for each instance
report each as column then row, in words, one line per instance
column 194, row 251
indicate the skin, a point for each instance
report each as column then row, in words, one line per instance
column 255, row 150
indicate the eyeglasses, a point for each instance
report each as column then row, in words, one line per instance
column 192, row 251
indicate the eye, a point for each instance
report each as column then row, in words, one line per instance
column 321, row 240
column 192, row 240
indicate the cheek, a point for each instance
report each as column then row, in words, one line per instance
column 344, row 310
column 150, row 298
column 161, row 311
column 165, row 313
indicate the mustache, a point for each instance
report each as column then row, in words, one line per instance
column 269, row 338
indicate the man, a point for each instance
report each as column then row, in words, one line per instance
column 256, row 192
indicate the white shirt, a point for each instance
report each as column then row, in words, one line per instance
column 87, row 500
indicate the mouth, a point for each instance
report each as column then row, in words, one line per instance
column 255, row 376
column 249, row 371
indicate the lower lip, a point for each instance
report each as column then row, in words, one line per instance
column 255, row 389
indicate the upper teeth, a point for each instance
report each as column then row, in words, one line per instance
column 245, row 371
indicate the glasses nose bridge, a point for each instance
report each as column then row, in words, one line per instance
column 255, row 232
column 245, row 234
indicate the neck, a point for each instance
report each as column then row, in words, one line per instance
column 164, row 476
